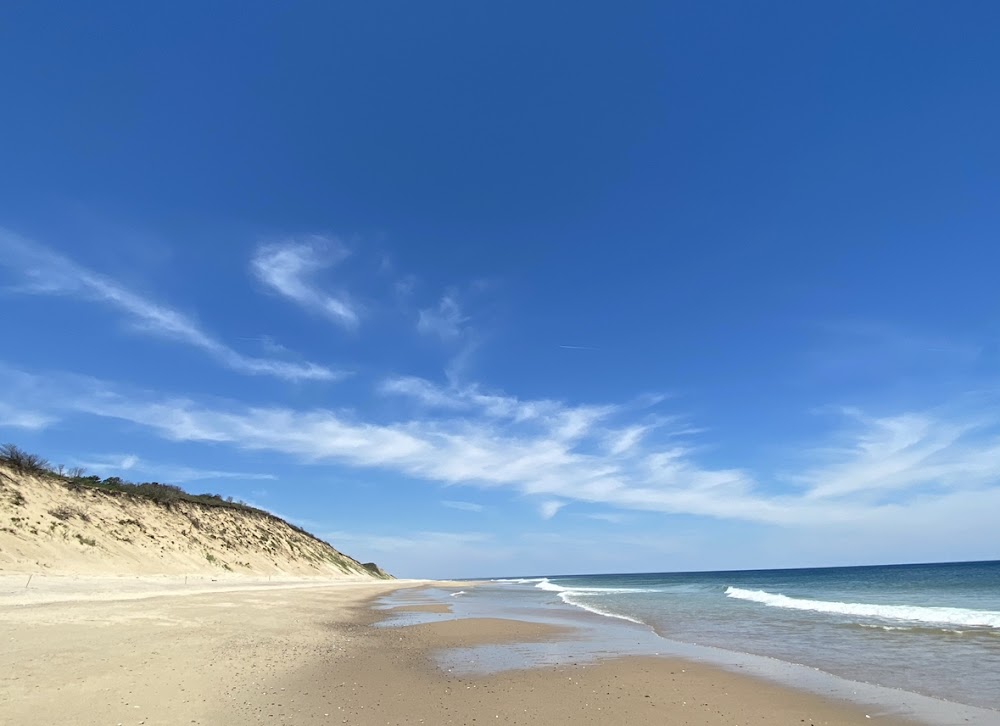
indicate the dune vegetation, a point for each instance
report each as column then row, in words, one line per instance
column 58, row 520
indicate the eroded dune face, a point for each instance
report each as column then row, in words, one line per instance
column 48, row 524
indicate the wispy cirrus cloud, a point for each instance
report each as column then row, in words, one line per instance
column 465, row 398
column 421, row 541
column 288, row 268
column 610, row 517
column 11, row 417
column 879, row 470
column 449, row 322
column 550, row 507
column 462, row 506
column 445, row 320
column 131, row 465
column 478, row 554
column 881, row 457
column 621, row 442
column 429, row 553
column 45, row 272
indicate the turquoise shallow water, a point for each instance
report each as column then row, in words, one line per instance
column 913, row 629
column 932, row 629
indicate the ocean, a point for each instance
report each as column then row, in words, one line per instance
column 908, row 629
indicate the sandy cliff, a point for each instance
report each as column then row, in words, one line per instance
column 49, row 524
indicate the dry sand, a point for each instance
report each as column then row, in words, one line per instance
column 30, row 589
column 309, row 656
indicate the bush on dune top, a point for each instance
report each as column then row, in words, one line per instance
column 24, row 463
column 163, row 494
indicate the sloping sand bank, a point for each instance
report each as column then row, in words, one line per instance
column 51, row 526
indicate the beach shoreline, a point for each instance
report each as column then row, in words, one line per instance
column 312, row 655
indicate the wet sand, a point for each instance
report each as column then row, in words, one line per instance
column 390, row 677
column 310, row 656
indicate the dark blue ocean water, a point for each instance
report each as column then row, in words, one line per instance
column 931, row 629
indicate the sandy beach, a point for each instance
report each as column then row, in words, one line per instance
column 309, row 655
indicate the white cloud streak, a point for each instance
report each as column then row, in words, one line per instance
column 558, row 452
column 125, row 464
column 905, row 452
column 288, row 267
column 462, row 506
column 426, row 394
column 10, row 417
column 624, row 441
column 48, row 273
column 420, row 541
column 610, row 517
column 549, row 508
column 429, row 554
column 445, row 320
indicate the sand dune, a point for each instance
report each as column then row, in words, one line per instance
column 48, row 526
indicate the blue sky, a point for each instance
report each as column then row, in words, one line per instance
column 478, row 289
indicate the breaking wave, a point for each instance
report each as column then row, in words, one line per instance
column 575, row 596
column 905, row 613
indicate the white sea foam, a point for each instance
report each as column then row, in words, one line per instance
column 551, row 586
column 573, row 596
column 460, row 592
column 546, row 584
column 887, row 628
column 568, row 598
column 905, row 613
